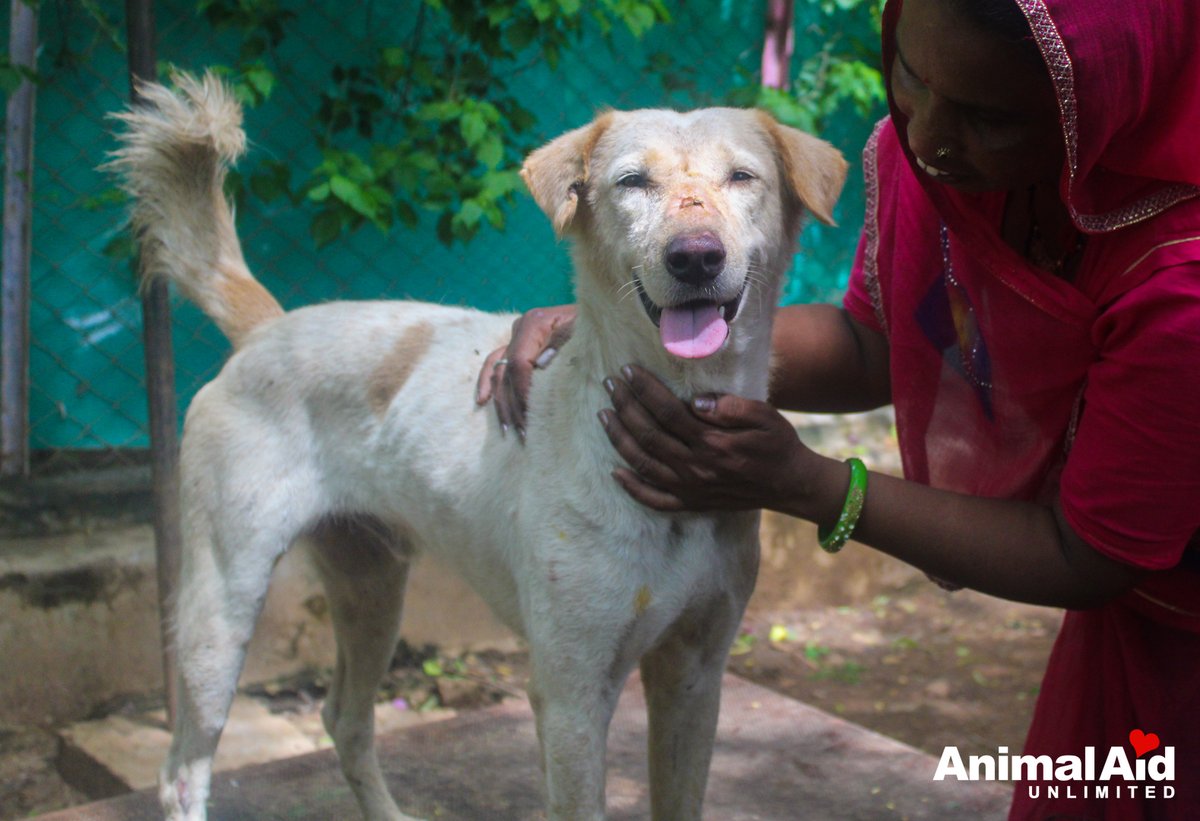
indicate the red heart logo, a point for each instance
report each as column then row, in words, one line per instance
column 1143, row 742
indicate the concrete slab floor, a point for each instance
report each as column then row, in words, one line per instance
column 775, row 760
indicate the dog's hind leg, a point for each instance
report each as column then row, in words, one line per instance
column 225, row 573
column 364, row 571
column 681, row 677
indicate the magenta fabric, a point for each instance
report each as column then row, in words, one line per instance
column 1010, row 382
column 1001, row 371
column 1114, row 671
column 1126, row 74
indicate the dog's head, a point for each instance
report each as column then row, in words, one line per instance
column 696, row 211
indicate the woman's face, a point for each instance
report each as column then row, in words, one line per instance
column 982, row 115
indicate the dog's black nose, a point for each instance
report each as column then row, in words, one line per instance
column 696, row 258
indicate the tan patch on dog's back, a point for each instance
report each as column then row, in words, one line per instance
column 394, row 369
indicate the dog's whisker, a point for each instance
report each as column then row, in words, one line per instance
column 628, row 289
column 632, row 286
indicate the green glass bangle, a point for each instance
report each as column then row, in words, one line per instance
column 856, row 497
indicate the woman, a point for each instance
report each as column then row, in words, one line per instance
column 1027, row 295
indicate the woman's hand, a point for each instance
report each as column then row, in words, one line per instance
column 714, row 453
column 507, row 372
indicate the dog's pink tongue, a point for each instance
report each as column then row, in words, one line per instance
column 693, row 331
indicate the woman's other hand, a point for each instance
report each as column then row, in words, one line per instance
column 714, row 453
column 507, row 372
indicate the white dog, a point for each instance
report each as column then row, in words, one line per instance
column 354, row 424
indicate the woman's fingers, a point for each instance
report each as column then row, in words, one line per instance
column 492, row 386
column 507, row 372
column 647, row 494
column 656, row 399
column 714, row 452
column 486, row 381
column 651, row 422
column 643, row 462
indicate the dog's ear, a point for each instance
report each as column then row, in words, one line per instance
column 556, row 173
column 815, row 169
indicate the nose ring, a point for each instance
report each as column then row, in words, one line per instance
column 942, row 153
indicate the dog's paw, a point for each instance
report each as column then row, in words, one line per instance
column 183, row 796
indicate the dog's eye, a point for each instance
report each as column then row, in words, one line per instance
column 633, row 180
column 741, row 175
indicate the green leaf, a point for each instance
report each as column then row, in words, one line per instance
column 473, row 126
column 497, row 14
column 445, row 228
column 105, row 199
column 639, row 20
column 407, row 214
column 440, row 111
column 743, row 644
column 497, row 184
column 271, row 181
column 469, row 215
column 121, row 246
column 262, row 80
column 521, row 33
column 325, row 227
column 353, row 195
column 543, row 10
column 491, row 151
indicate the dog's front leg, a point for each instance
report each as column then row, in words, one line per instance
column 573, row 703
column 681, row 677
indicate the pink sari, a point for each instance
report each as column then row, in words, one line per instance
column 1010, row 382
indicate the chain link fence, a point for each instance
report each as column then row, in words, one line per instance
column 87, row 400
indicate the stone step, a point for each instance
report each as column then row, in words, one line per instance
column 119, row 754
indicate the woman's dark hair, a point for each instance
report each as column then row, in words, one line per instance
column 1004, row 18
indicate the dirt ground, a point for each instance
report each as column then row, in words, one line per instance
column 863, row 638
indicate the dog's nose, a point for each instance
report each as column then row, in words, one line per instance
column 696, row 258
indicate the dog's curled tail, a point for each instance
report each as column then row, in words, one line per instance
column 175, row 150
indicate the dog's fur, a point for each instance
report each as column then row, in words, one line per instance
column 354, row 424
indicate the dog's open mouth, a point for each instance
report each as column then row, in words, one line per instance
column 695, row 329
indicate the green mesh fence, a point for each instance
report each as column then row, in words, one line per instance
column 86, row 365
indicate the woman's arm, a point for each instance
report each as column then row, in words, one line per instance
column 728, row 452
column 825, row 361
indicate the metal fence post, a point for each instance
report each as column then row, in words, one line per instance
column 160, row 378
column 18, row 222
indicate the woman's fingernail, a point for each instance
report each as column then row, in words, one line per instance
column 627, row 372
column 544, row 358
column 609, row 385
column 503, row 429
column 603, row 417
column 704, row 404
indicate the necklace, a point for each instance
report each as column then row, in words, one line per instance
column 1041, row 252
